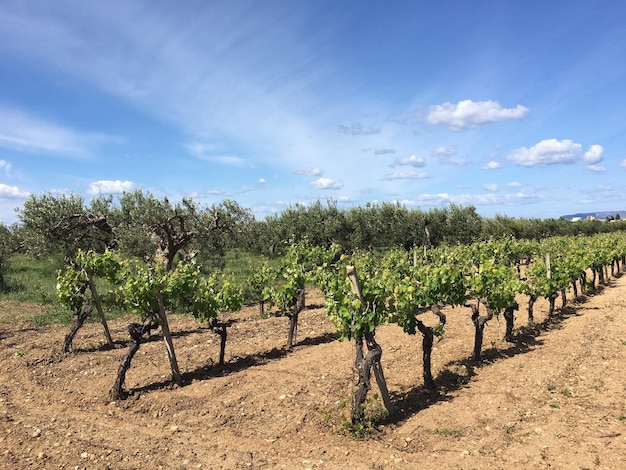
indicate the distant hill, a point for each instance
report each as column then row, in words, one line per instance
column 598, row 215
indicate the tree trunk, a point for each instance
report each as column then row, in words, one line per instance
column 96, row 299
column 563, row 298
column 169, row 345
column 575, row 288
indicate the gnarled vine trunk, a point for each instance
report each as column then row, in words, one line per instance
column 293, row 315
column 78, row 319
column 551, row 301
column 221, row 329
column 428, row 337
column 509, row 317
column 531, row 305
column 364, row 364
column 479, row 327
column 136, row 332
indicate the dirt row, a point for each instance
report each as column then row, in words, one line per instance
column 553, row 399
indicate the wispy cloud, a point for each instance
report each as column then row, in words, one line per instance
column 444, row 152
column 405, row 175
column 6, row 166
column 109, row 187
column 468, row 113
column 459, row 161
column 413, row 160
column 212, row 153
column 491, row 187
column 596, row 168
column 309, row 172
column 490, row 199
column 23, row 132
column 358, row 129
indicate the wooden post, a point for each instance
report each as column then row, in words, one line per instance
column 167, row 338
column 96, row 299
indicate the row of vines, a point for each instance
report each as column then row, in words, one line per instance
column 363, row 290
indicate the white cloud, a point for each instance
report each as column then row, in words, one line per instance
column 413, row 160
column 492, row 166
column 262, row 181
column 326, row 183
column 109, row 187
column 467, row 113
column 623, row 164
column 12, row 192
column 546, row 152
column 400, row 175
column 594, row 154
column 514, row 184
column 491, row 187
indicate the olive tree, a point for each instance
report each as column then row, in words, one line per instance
column 62, row 224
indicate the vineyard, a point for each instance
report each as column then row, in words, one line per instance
column 484, row 355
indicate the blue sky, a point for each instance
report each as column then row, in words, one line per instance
column 515, row 107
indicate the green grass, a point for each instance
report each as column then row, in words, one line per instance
column 241, row 264
column 31, row 280
column 34, row 280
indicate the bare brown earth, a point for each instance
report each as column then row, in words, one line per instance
column 554, row 399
